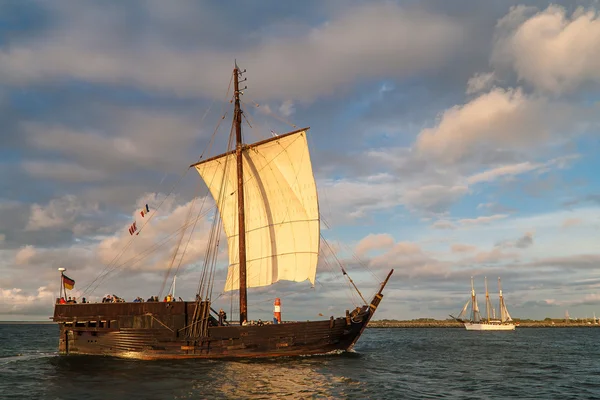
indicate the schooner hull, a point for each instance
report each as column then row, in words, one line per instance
column 152, row 331
column 489, row 327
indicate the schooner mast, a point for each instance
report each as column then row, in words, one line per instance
column 487, row 300
column 474, row 307
column 237, row 121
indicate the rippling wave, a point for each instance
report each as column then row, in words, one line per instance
column 386, row 364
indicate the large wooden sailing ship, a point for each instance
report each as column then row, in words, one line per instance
column 268, row 207
column 489, row 322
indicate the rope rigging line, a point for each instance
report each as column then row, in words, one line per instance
column 102, row 276
column 142, row 255
column 354, row 255
column 206, row 281
column 343, row 270
column 211, row 239
column 268, row 111
column 356, row 258
column 110, row 266
column 224, row 114
column 175, row 252
column 190, row 236
column 350, row 294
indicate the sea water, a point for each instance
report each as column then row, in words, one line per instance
column 421, row 363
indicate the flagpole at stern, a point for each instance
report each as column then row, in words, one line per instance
column 62, row 289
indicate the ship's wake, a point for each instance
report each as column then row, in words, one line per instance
column 25, row 357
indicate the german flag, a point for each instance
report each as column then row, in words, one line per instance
column 68, row 282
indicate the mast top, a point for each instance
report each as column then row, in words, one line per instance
column 486, row 287
column 499, row 286
column 472, row 288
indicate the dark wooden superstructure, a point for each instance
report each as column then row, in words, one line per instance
column 155, row 330
column 161, row 330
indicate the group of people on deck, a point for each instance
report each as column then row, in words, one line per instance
column 258, row 323
column 169, row 298
column 116, row 299
column 112, row 299
column 71, row 300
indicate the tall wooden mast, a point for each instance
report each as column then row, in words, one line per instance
column 473, row 301
column 487, row 301
column 501, row 300
column 237, row 120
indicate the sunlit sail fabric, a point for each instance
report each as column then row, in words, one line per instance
column 504, row 315
column 281, row 210
column 476, row 315
column 464, row 310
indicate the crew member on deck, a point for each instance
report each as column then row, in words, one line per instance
column 222, row 317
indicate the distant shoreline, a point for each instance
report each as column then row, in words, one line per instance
column 454, row 324
column 428, row 323
column 26, row 322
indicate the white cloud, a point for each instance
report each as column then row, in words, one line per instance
column 462, row 248
column 58, row 213
column 551, row 50
column 153, row 248
column 568, row 222
column 500, row 119
column 24, row 255
column 374, row 242
column 523, row 242
column 570, row 262
column 287, row 108
column 354, row 198
column 433, row 198
column 126, row 138
column 17, row 301
column 409, row 260
column 506, row 170
column 493, row 256
column 443, row 224
column 363, row 41
column 480, row 82
column 467, row 222
column 62, row 171
column 481, row 220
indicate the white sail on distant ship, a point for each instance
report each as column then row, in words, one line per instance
column 476, row 322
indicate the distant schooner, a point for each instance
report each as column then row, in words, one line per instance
column 267, row 204
column 490, row 322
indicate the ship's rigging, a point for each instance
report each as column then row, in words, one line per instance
column 250, row 156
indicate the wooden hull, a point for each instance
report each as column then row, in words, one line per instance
column 289, row 339
column 153, row 331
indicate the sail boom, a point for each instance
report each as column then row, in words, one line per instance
column 248, row 146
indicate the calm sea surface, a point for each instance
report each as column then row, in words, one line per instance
column 387, row 364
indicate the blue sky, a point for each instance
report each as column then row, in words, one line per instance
column 448, row 140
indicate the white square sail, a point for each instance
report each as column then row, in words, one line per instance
column 281, row 209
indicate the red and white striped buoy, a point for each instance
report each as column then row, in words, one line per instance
column 277, row 311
